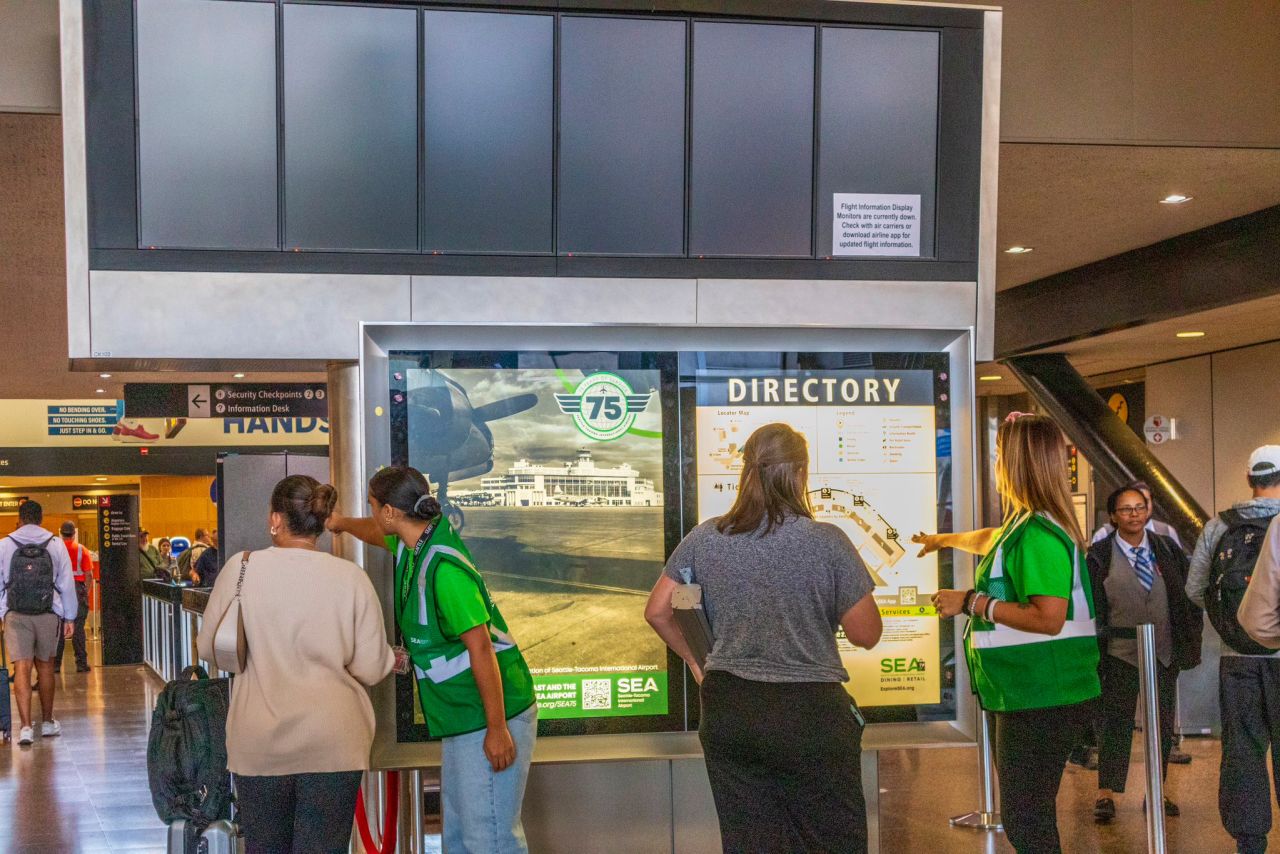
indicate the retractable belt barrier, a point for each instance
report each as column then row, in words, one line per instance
column 389, row 816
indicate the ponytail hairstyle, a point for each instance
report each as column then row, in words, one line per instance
column 405, row 489
column 1031, row 471
column 774, row 482
column 305, row 503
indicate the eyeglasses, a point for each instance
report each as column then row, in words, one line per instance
column 1131, row 510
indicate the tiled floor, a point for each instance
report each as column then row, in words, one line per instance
column 87, row 790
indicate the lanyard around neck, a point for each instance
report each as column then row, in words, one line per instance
column 406, row 575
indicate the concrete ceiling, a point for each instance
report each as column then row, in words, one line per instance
column 1075, row 204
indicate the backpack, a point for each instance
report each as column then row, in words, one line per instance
column 187, row 560
column 30, row 587
column 187, row 750
column 1229, row 573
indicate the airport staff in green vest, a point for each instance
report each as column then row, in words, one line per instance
column 474, row 685
column 1031, row 643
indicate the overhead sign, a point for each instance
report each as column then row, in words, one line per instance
column 103, row 424
column 226, row 400
column 90, row 502
column 11, row 503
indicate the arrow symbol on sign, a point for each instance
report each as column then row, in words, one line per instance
column 198, row 401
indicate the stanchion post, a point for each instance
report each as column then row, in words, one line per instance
column 987, row 816
column 1151, row 737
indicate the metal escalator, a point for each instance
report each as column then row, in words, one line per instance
column 1116, row 453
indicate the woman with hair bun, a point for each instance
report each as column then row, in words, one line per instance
column 473, row 683
column 301, row 725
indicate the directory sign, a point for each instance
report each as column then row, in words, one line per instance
column 875, row 445
column 552, row 470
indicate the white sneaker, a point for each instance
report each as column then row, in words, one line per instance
column 26, row 736
column 49, row 729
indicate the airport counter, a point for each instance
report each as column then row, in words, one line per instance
column 168, row 643
column 194, row 600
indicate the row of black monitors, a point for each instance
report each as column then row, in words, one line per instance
column 306, row 126
column 573, row 475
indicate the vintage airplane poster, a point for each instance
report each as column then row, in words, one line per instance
column 555, row 478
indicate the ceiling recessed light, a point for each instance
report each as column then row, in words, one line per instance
column 1190, row 334
column 990, row 378
column 1175, row 199
column 100, row 390
column 104, row 376
column 1019, row 250
column 238, row 376
column 100, row 479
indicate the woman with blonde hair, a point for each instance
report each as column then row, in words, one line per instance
column 1031, row 643
column 782, row 737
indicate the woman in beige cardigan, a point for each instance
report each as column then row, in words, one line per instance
column 301, row 724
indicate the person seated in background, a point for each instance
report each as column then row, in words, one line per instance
column 1152, row 524
column 204, row 571
column 1138, row 577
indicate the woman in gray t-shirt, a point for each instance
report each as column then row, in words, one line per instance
column 781, row 736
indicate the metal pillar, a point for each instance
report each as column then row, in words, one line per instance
column 1151, row 737
column 411, row 829
column 986, row 817
column 346, row 470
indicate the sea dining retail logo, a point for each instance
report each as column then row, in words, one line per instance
column 604, row 406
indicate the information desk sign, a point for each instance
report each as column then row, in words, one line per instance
column 226, row 400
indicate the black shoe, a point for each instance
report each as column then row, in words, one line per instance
column 1170, row 808
column 1177, row 757
column 1104, row 810
column 83, row 668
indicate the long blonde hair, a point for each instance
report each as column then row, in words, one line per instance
column 1031, row 471
column 774, row 481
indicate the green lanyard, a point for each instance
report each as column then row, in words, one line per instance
column 407, row 572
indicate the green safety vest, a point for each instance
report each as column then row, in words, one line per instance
column 451, row 702
column 1013, row 670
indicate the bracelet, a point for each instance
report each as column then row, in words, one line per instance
column 967, row 607
column 989, row 612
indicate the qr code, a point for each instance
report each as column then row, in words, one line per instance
column 597, row 694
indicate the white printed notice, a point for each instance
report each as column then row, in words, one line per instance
column 873, row 471
column 875, row 224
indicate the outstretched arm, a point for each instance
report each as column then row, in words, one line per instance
column 361, row 527
column 977, row 542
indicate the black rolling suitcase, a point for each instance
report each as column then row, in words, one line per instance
column 6, row 711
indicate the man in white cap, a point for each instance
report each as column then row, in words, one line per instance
column 1248, row 673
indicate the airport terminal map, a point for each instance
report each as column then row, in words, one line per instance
column 873, row 470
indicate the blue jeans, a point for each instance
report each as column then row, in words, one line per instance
column 481, row 808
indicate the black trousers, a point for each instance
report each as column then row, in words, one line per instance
column 1249, row 697
column 78, row 641
column 1119, row 699
column 1031, row 749
column 785, row 762
column 297, row 813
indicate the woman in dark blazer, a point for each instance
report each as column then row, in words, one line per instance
column 1138, row 577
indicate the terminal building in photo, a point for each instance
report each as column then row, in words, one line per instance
column 578, row 483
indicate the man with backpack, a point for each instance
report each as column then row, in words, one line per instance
column 1248, row 673
column 38, row 605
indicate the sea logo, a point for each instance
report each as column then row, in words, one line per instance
column 604, row 406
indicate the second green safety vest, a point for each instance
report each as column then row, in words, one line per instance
column 1013, row 670
column 450, row 699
